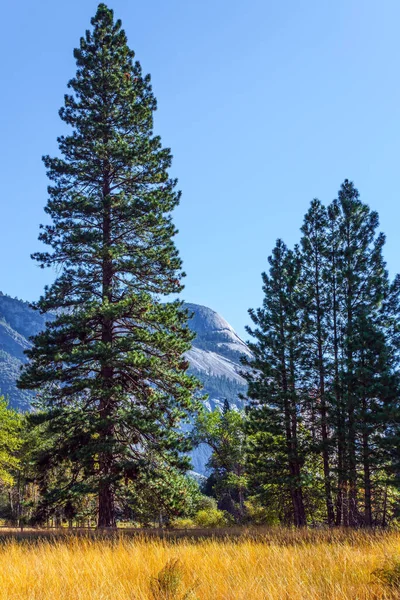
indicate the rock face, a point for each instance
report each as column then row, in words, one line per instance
column 214, row 357
column 215, row 360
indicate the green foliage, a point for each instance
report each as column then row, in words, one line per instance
column 258, row 513
column 276, row 379
column 224, row 433
column 110, row 367
column 182, row 523
column 207, row 503
column 160, row 495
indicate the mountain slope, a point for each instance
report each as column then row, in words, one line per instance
column 18, row 322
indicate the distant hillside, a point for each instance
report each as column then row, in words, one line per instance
column 18, row 322
column 214, row 357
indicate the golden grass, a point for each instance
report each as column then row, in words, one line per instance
column 273, row 565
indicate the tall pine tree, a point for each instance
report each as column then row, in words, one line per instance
column 363, row 281
column 275, row 382
column 317, row 303
column 110, row 367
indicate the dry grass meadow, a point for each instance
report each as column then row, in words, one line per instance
column 272, row 564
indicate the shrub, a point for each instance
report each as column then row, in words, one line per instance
column 182, row 523
column 211, row 518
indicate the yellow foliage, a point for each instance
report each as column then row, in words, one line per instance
column 284, row 565
column 10, row 442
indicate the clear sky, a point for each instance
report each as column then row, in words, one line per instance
column 265, row 105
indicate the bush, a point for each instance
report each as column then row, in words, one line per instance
column 182, row 523
column 211, row 518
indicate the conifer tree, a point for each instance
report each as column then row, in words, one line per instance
column 363, row 282
column 110, row 367
column 275, row 381
column 317, row 304
column 337, row 400
column 326, row 358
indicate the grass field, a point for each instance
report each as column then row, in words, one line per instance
column 273, row 564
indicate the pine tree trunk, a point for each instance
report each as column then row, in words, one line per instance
column 384, row 506
column 106, row 507
column 296, row 498
column 353, row 511
column 351, row 457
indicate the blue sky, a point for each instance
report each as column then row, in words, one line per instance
column 264, row 104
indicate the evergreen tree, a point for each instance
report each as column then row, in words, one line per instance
column 275, row 380
column 110, row 367
column 363, row 284
column 317, row 303
column 337, row 401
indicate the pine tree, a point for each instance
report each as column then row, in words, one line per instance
column 325, row 369
column 376, row 387
column 317, row 303
column 363, row 282
column 110, row 367
column 390, row 442
column 337, row 400
column 275, row 381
